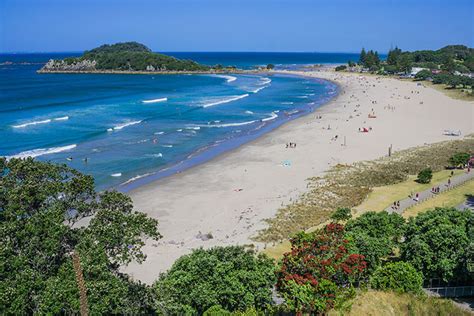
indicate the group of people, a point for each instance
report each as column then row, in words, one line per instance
column 396, row 205
column 290, row 145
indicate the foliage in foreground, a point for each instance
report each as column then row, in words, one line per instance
column 376, row 235
column 40, row 207
column 439, row 243
column 400, row 277
column 231, row 277
column 320, row 270
column 425, row 176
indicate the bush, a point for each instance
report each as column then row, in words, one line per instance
column 439, row 243
column 423, row 75
column 341, row 214
column 231, row 277
column 270, row 66
column 425, row 176
column 341, row 67
column 319, row 271
column 459, row 159
column 400, row 277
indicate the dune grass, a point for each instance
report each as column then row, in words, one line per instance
column 378, row 303
column 451, row 198
column 350, row 185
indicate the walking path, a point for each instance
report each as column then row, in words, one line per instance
column 427, row 194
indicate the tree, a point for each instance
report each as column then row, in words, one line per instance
column 319, row 271
column 404, row 63
column 340, row 67
column 459, row 159
column 376, row 235
column 270, row 66
column 362, row 57
column 437, row 243
column 425, row 176
column 423, row 74
column 231, row 277
column 351, row 64
column 392, row 57
column 400, row 277
column 341, row 214
column 40, row 205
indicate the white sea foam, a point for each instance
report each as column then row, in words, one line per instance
column 258, row 89
column 158, row 155
column 179, row 130
column 264, row 80
column 42, row 151
column 194, row 127
column 121, row 126
column 63, row 118
column 159, row 133
column 229, row 124
column 155, row 100
column 136, row 178
column 46, row 121
column 226, row 77
column 287, row 102
column 227, row 100
column 118, row 174
column 167, row 146
column 273, row 116
column 248, row 112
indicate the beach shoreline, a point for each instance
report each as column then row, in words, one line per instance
column 229, row 197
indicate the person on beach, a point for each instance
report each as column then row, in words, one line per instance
column 417, row 197
column 449, row 182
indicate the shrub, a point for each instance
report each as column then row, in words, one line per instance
column 341, row 67
column 231, row 277
column 341, row 214
column 423, row 74
column 270, row 66
column 400, row 277
column 459, row 159
column 439, row 243
column 319, row 271
column 425, row 176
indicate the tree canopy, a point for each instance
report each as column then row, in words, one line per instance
column 43, row 213
column 231, row 277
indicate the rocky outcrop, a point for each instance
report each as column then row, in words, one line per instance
column 61, row 65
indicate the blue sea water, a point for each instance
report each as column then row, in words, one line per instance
column 127, row 130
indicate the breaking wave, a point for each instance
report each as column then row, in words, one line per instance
column 42, row 151
column 222, row 101
column 121, row 126
column 63, row 118
column 155, row 100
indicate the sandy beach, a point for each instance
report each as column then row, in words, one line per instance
column 230, row 196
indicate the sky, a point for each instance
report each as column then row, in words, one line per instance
column 235, row 25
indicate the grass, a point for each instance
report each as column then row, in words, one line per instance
column 382, row 197
column 460, row 94
column 388, row 303
column 451, row 198
column 350, row 185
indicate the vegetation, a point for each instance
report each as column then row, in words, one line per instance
column 319, row 271
column 42, row 208
column 425, row 176
column 439, row 243
column 341, row 214
column 341, row 67
column 376, row 236
column 132, row 56
column 270, row 66
column 347, row 186
column 400, row 277
column 231, row 277
column 459, row 159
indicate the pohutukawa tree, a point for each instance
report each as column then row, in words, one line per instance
column 319, row 271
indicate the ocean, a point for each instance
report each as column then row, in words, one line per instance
column 128, row 130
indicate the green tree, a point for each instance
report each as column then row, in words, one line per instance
column 231, row 277
column 400, row 277
column 459, row 159
column 341, row 214
column 376, row 235
column 340, row 67
column 319, row 271
column 423, row 75
column 437, row 243
column 41, row 205
column 425, row 176
column 405, row 63
column 270, row 66
column 392, row 57
column 362, row 57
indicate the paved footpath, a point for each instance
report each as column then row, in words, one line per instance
column 427, row 194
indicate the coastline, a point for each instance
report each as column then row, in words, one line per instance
column 226, row 146
column 231, row 196
column 138, row 72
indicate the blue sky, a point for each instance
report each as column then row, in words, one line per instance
column 235, row 25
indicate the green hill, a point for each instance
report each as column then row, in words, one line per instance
column 129, row 57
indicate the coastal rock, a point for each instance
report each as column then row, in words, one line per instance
column 61, row 65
